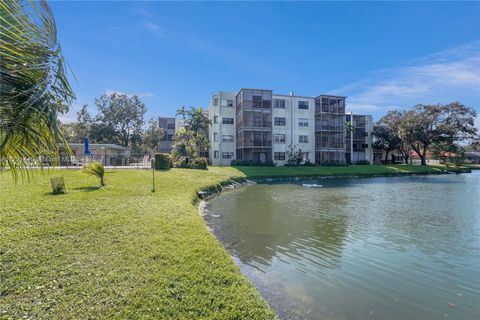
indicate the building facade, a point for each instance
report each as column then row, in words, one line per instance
column 256, row 125
column 359, row 138
column 169, row 125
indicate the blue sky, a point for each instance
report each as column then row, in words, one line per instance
column 381, row 55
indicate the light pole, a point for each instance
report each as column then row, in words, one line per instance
column 153, row 174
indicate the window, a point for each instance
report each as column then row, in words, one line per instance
column 279, row 138
column 227, row 155
column 305, row 156
column 215, row 136
column 303, row 105
column 303, row 122
column 229, row 103
column 215, row 119
column 169, row 137
column 302, row 139
column 171, row 126
column 365, row 145
column 279, row 121
column 279, row 155
column 257, row 102
column 215, row 101
column 215, row 154
column 227, row 138
column 227, row 120
column 279, row 103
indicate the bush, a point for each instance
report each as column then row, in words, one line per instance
column 163, row 161
column 195, row 163
column 307, row 163
column 362, row 162
column 95, row 169
column 199, row 163
column 58, row 185
column 335, row 163
column 243, row 163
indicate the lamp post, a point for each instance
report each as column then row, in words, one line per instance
column 153, row 174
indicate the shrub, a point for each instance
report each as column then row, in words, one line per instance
column 182, row 162
column 95, row 169
column 339, row 163
column 163, row 161
column 195, row 163
column 362, row 162
column 244, row 163
column 199, row 163
column 58, row 185
column 307, row 163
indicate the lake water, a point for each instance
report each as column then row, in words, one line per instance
column 376, row 248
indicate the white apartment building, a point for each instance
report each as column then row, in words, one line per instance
column 359, row 139
column 255, row 125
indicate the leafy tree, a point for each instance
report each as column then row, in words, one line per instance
column 84, row 123
column 121, row 115
column 294, row 155
column 153, row 135
column 427, row 124
column 392, row 121
column 193, row 140
column 33, row 85
column 385, row 139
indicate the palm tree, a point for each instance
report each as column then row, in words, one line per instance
column 181, row 112
column 33, row 84
column 350, row 130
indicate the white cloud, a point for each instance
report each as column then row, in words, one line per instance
column 450, row 75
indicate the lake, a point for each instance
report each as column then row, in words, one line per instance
column 367, row 248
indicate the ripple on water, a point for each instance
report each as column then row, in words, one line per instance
column 383, row 248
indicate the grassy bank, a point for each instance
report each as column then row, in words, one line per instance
column 124, row 252
column 360, row 170
column 117, row 252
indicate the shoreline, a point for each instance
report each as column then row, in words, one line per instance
column 211, row 191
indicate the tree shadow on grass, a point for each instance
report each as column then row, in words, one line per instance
column 87, row 189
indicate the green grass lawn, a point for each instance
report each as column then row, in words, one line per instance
column 124, row 252
column 360, row 170
column 117, row 252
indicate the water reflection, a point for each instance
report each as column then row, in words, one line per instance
column 396, row 248
column 283, row 226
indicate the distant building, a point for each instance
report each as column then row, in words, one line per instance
column 473, row 157
column 168, row 124
column 359, row 139
column 108, row 154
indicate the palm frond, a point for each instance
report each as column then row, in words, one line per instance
column 34, row 87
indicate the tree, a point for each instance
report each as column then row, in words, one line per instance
column 384, row 138
column 392, row 120
column 427, row 124
column 84, row 122
column 193, row 140
column 294, row 155
column 120, row 115
column 349, row 130
column 33, row 84
column 153, row 135
column 182, row 112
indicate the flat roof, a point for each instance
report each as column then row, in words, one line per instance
column 105, row 145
